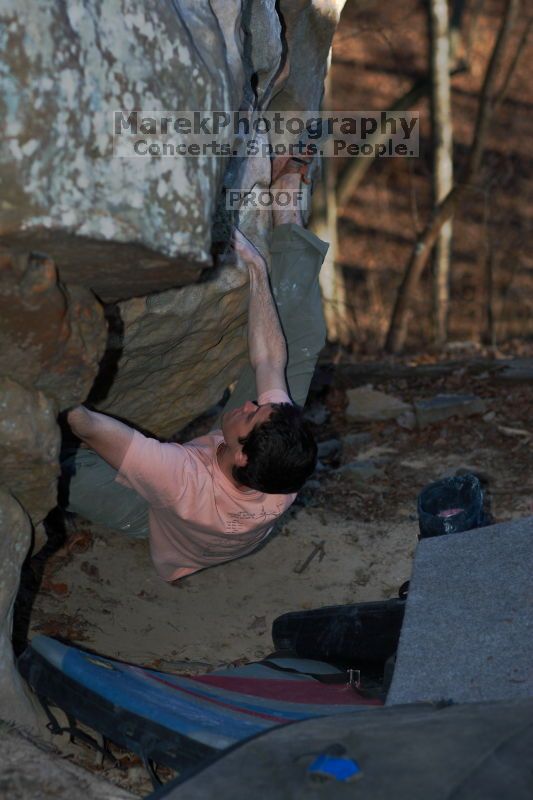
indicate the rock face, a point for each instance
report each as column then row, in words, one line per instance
column 52, row 337
column 51, row 341
column 176, row 352
column 29, row 447
column 81, row 230
column 15, row 536
column 31, row 772
column 74, row 65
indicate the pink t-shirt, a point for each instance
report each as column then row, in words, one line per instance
column 198, row 518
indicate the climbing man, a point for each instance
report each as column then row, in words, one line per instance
column 218, row 496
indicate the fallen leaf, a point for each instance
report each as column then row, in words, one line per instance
column 79, row 542
column 59, row 589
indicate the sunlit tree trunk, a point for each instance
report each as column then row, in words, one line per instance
column 442, row 158
column 324, row 224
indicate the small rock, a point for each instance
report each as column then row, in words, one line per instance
column 361, row 473
column 329, row 448
column 318, row 415
column 367, row 405
column 311, row 485
column 356, row 439
column 388, row 431
column 407, row 420
column 59, row 589
column 489, row 417
column 444, row 406
column 518, row 369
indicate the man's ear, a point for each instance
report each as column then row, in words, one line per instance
column 241, row 459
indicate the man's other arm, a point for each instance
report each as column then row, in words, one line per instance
column 106, row 436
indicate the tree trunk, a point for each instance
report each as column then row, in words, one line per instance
column 324, row 224
column 441, row 120
column 422, row 250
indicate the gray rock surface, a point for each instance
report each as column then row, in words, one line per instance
column 353, row 440
column 407, row 420
column 309, row 28
column 518, row 370
column 329, row 448
column 31, row 771
column 317, row 414
column 444, row 406
column 75, row 65
column 362, row 473
column 16, row 702
column 467, row 635
column 368, row 405
column 179, row 351
column 29, row 447
column 412, row 753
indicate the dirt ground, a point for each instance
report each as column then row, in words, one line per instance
column 99, row 589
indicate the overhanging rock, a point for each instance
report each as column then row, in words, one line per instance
column 144, row 223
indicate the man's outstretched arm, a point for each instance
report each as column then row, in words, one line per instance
column 105, row 435
column 267, row 349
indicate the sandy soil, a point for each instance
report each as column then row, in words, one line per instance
column 110, row 598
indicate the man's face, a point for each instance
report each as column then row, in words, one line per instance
column 239, row 422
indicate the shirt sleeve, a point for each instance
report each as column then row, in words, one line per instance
column 274, row 396
column 158, row 472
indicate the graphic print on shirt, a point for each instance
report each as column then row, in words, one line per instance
column 236, row 520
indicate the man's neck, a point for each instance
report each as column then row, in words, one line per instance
column 225, row 463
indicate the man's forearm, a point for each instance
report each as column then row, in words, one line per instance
column 107, row 436
column 266, row 342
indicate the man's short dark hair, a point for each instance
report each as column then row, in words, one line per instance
column 282, row 452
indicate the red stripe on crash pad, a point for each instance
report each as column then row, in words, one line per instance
column 216, row 701
column 291, row 691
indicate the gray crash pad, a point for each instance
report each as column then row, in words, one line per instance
column 468, row 752
column 467, row 634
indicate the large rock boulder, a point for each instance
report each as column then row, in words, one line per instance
column 66, row 68
column 52, row 336
column 175, row 353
